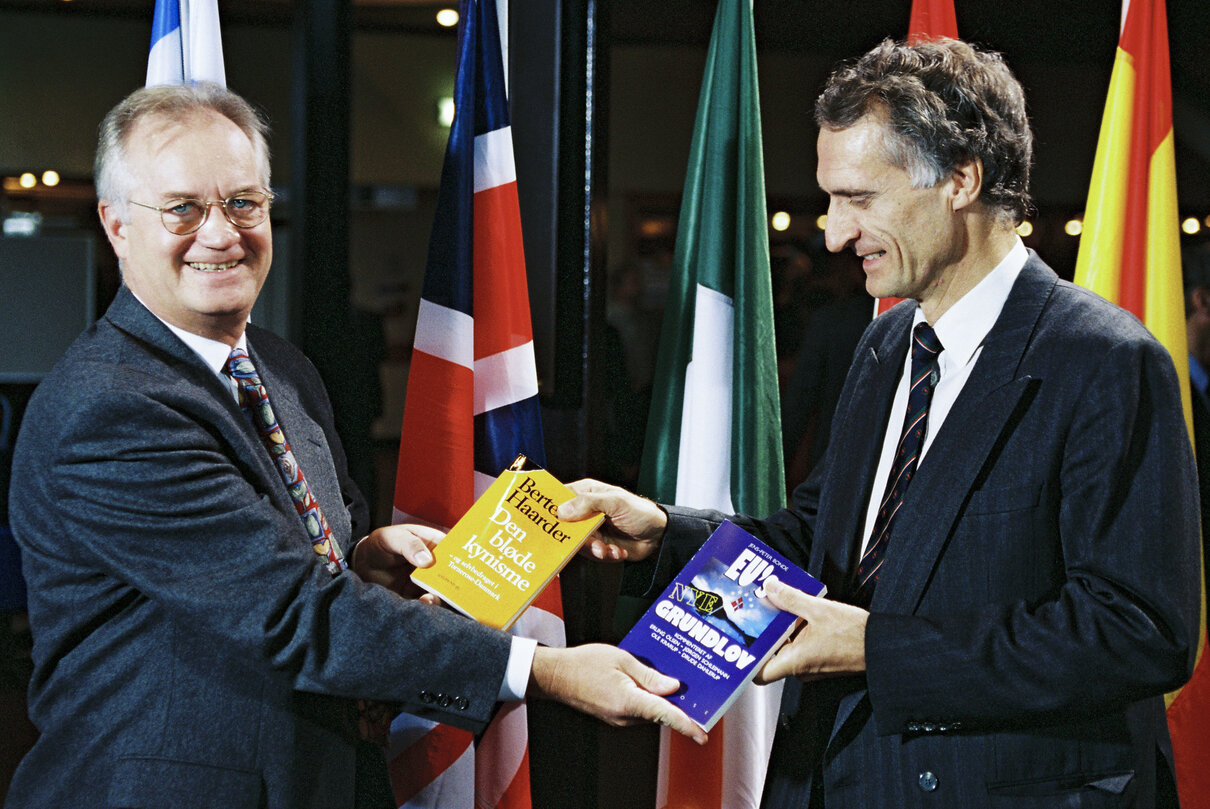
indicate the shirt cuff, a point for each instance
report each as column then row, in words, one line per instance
column 516, row 676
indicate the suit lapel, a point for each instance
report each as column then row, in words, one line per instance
column 965, row 441
column 128, row 315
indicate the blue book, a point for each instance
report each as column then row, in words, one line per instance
column 713, row 628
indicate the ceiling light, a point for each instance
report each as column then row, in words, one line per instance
column 445, row 111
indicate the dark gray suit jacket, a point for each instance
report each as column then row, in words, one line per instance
column 1041, row 591
column 190, row 649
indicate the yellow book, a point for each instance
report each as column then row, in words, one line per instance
column 507, row 548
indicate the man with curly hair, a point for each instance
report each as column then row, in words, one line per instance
column 1006, row 514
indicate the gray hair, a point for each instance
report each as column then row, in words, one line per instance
column 945, row 103
column 174, row 101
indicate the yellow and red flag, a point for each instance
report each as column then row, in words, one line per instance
column 1130, row 253
column 930, row 18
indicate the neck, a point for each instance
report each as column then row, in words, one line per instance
column 984, row 247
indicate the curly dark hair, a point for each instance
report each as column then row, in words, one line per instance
column 945, row 102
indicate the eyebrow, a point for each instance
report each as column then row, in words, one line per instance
column 168, row 195
column 851, row 192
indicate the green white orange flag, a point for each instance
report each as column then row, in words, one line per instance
column 929, row 18
column 714, row 432
column 1130, row 254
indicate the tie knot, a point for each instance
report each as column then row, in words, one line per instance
column 239, row 364
column 925, row 345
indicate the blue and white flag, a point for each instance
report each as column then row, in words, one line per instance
column 186, row 44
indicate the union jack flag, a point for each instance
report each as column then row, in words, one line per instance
column 471, row 405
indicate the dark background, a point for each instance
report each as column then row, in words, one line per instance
column 604, row 96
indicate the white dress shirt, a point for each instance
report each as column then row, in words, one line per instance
column 961, row 330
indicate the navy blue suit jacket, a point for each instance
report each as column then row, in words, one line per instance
column 190, row 649
column 1041, row 592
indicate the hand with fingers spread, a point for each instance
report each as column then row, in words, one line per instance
column 610, row 684
column 633, row 525
column 829, row 643
column 388, row 555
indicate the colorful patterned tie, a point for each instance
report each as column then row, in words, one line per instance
column 254, row 400
column 925, row 349
column 371, row 719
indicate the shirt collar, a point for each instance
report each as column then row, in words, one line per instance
column 965, row 325
column 212, row 352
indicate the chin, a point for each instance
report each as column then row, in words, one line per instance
column 879, row 289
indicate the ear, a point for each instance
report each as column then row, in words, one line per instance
column 966, row 183
column 115, row 227
column 1201, row 300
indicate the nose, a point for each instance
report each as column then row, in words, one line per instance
column 841, row 229
column 216, row 229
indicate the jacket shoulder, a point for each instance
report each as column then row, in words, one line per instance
column 1091, row 322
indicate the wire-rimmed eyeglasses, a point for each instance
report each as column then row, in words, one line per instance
column 181, row 217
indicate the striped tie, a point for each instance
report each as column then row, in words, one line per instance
column 925, row 350
column 254, row 400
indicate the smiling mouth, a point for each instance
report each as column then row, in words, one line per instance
column 873, row 256
column 202, row 266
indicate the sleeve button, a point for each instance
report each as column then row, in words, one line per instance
column 927, row 781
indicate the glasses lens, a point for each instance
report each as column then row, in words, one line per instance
column 183, row 216
column 248, row 209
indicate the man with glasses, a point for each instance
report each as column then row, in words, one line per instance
column 206, row 604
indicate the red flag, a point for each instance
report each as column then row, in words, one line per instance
column 930, row 18
column 1130, row 254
